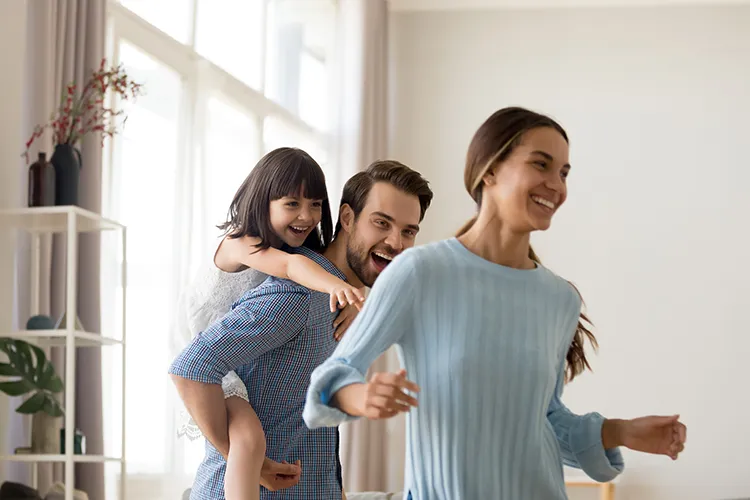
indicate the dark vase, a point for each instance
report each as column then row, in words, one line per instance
column 41, row 183
column 67, row 162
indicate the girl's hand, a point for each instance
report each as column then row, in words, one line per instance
column 344, row 295
column 655, row 434
column 343, row 320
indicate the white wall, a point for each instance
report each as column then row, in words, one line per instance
column 655, row 231
column 12, row 62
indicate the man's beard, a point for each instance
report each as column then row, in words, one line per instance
column 357, row 259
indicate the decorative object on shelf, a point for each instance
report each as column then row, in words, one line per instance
column 17, row 491
column 57, row 492
column 67, row 162
column 32, row 373
column 40, row 322
column 79, row 443
column 62, row 323
column 78, row 114
column 41, row 182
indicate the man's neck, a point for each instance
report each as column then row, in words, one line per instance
column 336, row 253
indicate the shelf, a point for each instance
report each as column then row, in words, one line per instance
column 54, row 219
column 57, row 338
column 80, row 459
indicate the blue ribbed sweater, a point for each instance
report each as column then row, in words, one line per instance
column 486, row 344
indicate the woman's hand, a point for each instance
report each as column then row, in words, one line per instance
column 653, row 434
column 344, row 294
column 343, row 320
column 384, row 396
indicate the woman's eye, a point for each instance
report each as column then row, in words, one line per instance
column 292, row 204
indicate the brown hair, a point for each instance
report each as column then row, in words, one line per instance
column 492, row 144
column 282, row 172
column 398, row 175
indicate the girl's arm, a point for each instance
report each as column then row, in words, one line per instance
column 337, row 390
column 298, row 268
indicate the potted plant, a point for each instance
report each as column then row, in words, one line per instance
column 28, row 371
column 82, row 110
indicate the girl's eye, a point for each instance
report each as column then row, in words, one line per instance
column 292, row 204
column 540, row 164
column 317, row 204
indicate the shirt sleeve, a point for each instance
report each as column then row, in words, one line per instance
column 580, row 439
column 266, row 318
column 383, row 321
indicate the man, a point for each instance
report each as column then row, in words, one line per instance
column 277, row 333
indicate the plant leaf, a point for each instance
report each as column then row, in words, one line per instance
column 27, row 361
column 33, row 405
column 52, row 407
column 8, row 370
column 41, row 362
column 16, row 387
column 35, row 372
column 45, row 373
column 55, row 385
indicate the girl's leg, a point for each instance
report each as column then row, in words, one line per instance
column 247, row 450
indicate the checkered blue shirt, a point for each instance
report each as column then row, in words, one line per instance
column 274, row 336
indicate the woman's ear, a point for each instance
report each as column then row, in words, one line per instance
column 489, row 177
column 346, row 217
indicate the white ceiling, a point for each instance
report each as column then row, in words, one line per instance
column 407, row 5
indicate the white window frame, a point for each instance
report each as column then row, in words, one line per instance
column 200, row 77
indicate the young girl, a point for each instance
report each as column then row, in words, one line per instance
column 282, row 202
column 487, row 335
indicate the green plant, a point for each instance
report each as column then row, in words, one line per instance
column 32, row 373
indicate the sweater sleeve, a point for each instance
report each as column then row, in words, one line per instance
column 580, row 439
column 383, row 321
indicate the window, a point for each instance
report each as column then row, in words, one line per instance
column 215, row 101
column 230, row 34
column 300, row 34
column 173, row 17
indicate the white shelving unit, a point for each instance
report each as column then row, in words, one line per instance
column 71, row 221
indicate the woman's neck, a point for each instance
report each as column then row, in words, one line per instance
column 494, row 241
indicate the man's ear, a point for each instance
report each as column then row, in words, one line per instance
column 346, row 217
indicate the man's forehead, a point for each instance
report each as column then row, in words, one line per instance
column 402, row 207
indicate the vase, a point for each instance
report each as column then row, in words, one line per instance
column 45, row 438
column 41, row 183
column 67, row 162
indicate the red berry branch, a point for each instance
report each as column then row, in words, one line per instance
column 86, row 112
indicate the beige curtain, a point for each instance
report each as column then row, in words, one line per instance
column 372, row 453
column 65, row 41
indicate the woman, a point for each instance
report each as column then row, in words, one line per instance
column 489, row 337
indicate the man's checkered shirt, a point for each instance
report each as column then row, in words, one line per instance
column 274, row 336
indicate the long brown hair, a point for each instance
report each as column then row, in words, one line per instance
column 281, row 172
column 492, row 143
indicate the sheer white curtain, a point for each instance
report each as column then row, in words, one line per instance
column 225, row 82
column 175, row 173
column 372, row 453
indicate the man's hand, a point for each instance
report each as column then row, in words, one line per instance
column 276, row 476
column 383, row 397
column 343, row 320
column 653, row 434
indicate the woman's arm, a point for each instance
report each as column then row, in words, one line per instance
column 337, row 390
column 297, row 268
column 582, row 439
